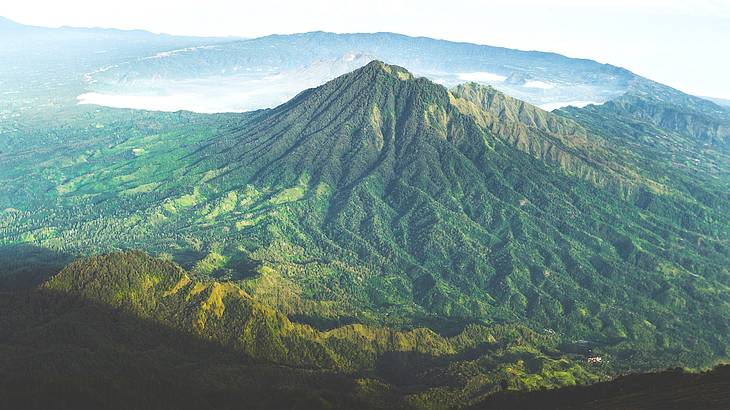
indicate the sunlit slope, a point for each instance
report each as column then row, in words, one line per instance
column 126, row 330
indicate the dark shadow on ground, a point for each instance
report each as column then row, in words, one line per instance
column 65, row 352
column 668, row 390
column 24, row 266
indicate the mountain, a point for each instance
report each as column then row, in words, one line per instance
column 34, row 43
column 63, row 351
column 370, row 239
column 44, row 69
column 675, row 142
column 719, row 101
column 7, row 25
column 679, row 113
column 383, row 199
column 32, row 38
column 234, row 92
column 549, row 137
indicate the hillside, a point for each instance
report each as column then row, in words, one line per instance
column 75, row 343
column 547, row 136
column 64, row 352
column 207, row 339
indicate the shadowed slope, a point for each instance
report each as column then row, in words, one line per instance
column 127, row 331
column 66, row 352
column 668, row 390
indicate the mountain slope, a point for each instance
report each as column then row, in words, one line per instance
column 675, row 142
column 65, row 352
column 664, row 152
column 75, row 343
column 667, row 109
column 549, row 137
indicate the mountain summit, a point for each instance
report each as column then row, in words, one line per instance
column 358, row 126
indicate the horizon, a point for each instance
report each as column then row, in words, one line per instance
column 647, row 43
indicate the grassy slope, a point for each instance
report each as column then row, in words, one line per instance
column 64, row 352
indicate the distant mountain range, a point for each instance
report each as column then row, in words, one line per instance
column 47, row 66
column 257, row 66
column 169, row 73
column 20, row 38
column 719, row 101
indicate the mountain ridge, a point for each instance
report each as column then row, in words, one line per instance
column 447, row 62
column 223, row 313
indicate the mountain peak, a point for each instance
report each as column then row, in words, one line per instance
column 352, row 126
column 377, row 66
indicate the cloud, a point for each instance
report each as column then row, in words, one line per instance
column 538, row 84
column 481, row 76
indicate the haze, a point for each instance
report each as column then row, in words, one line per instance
column 662, row 40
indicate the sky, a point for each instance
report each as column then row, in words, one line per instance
column 682, row 43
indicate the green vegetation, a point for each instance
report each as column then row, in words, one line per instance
column 64, row 352
column 381, row 222
column 417, row 366
column 210, row 345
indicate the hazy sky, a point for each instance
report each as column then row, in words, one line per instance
column 685, row 44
